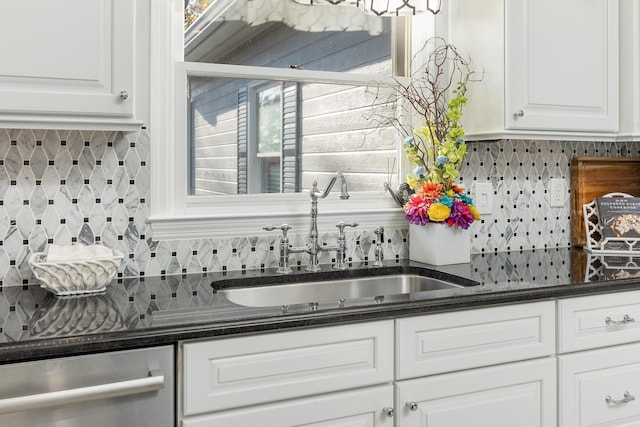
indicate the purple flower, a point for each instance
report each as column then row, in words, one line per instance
column 460, row 215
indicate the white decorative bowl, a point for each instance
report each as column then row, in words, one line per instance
column 75, row 277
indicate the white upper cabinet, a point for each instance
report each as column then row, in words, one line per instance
column 550, row 67
column 68, row 64
column 630, row 70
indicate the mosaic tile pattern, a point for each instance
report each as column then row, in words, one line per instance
column 65, row 187
column 519, row 172
column 28, row 312
column 127, row 305
column 93, row 187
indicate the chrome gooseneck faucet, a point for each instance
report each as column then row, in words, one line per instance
column 313, row 246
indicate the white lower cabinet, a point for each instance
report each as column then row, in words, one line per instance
column 482, row 367
column 598, row 321
column 600, row 387
column 330, row 376
column 521, row 394
column 485, row 367
column 357, row 408
column 474, row 368
column 447, row 342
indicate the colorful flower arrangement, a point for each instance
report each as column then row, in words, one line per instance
column 437, row 149
column 444, row 203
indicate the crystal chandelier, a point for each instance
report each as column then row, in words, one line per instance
column 384, row 7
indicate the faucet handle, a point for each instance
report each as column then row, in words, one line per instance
column 341, row 247
column 341, row 225
column 379, row 252
column 283, row 264
column 283, row 227
column 379, row 231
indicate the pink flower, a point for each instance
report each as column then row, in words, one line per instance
column 415, row 210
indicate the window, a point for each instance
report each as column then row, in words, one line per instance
column 266, row 143
column 241, row 145
column 275, row 99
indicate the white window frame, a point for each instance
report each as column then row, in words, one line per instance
column 176, row 215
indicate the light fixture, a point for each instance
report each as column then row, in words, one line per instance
column 384, row 7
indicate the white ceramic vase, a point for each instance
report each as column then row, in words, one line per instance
column 439, row 244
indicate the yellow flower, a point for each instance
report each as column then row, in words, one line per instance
column 474, row 212
column 438, row 212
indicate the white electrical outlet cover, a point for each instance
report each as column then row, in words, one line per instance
column 556, row 193
column 483, row 199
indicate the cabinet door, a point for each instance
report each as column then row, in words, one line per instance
column 241, row 371
column 629, row 70
column 600, row 387
column 67, row 58
column 520, row 394
column 561, row 65
column 359, row 408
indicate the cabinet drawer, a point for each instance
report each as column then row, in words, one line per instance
column 468, row 339
column 582, row 322
column 358, row 408
column 241, row 371
column 587, row 378
column 521, row 394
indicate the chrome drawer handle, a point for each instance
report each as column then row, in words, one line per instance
column 389, row 412
column 413, row 406
column 626, row 319
column 154, row 382
column 628, row 397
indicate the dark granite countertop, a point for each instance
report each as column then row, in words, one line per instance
column 141, row 312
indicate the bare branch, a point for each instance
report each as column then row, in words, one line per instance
column 426, row 94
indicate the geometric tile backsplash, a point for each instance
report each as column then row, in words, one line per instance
column 140, row 303
column 65, row 187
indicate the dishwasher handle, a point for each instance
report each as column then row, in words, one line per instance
column 153, row 382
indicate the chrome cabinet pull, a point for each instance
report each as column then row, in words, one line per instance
column 413, row 406
column 153, row 382
column 628, row 397
column 518, row 113
column 389, row 412
column 124, row 95
column 626, row 319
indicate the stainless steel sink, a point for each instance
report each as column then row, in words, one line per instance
column 334, row 290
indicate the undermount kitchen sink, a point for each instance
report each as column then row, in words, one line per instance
column 335, row 290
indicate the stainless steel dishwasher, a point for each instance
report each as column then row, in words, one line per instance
column 122, row 388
